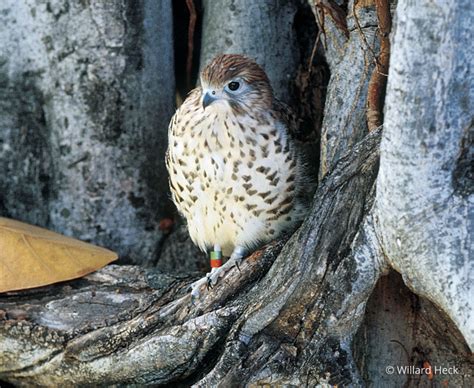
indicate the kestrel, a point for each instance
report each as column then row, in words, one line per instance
column 235, row 173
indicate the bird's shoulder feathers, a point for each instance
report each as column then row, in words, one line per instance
column 286, row 115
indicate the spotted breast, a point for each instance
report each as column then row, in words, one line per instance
column 235, row 174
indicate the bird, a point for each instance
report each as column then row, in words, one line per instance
column 235, row 173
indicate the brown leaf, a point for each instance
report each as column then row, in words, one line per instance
column 32, row 257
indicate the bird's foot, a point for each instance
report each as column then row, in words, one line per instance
column 199, row 284
column 213, row 277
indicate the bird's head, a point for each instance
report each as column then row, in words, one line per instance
column 237, row 81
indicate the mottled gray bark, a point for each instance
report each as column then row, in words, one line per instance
column 87, row 91
column 351, row 61
column 425, row 186
column 423, row 208
column 263, row 30
column 178, row 254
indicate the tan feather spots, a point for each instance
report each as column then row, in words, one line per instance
column 274, row 182
column 286, row 201
column 252, row 155
column 269, row 201
column 264, row 195
column 263, row 170
column 272, row 176
column 250, row 140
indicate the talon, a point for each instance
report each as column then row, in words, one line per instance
column 238, row 266
column 209, row 283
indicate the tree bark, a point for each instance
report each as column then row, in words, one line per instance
column 324, row 306
column 84, row 119
column 351, row 63
column 424, row 204
column 401, row 328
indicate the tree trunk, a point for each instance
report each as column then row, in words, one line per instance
column 350, row 48
column 326, row 305
column 424, row 192
column 87, row 94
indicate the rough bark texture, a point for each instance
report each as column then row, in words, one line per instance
column 378, row 79
column 84, row 119
column 324, row 306
column 351, row 66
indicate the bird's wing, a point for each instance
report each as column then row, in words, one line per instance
column 288, row 117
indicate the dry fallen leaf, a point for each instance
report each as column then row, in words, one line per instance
column 32, row 257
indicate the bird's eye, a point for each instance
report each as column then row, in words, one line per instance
column 234, row 85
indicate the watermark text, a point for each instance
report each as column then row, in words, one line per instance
column 415, row 370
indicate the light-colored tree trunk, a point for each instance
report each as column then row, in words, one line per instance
column 87, row 95
column 424, row 206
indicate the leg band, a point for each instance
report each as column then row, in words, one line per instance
column 216, row 259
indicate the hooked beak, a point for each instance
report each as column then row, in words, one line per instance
column 207, row 100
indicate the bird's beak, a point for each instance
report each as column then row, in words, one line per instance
column 207, row 100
